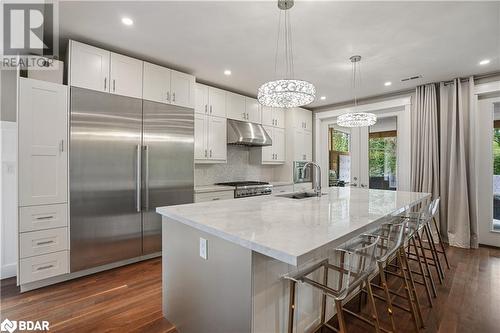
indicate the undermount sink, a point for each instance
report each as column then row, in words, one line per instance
column 299, row 195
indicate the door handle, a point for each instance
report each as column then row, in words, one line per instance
column 146, row 177
column 138, row 180
column 113, row 85
column 105, row 81
column 210, row 109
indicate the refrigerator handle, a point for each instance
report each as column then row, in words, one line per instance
column 138, row 179
column 146, row 177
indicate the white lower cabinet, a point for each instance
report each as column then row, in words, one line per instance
column 210, row 136
column 43, row 242
column 34, row 218
column 43, row 266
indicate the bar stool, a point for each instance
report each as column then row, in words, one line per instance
column 391, row 246
column 352, row 265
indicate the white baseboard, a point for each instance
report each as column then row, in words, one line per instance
column 8, row 271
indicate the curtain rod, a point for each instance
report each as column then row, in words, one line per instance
column 475, row 77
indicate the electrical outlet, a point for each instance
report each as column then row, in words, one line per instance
column 203, row 248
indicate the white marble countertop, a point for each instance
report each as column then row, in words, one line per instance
column 290, row 230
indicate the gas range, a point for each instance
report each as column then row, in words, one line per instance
column 249, row 188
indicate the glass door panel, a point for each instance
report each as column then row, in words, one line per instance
column 339, row 158
column 382, row 154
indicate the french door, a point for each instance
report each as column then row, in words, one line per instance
column 488, row 170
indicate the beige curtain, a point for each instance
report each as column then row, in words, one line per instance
column 424, row 138
column 457, row 181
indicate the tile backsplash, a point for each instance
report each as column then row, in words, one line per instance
column 237, row 168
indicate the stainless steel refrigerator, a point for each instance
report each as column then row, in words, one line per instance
column 127, row 157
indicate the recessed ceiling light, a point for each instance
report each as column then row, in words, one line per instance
column 484, row 62
column 388, row 83
column 322, row 98
column 227, row 72
column 127, row 21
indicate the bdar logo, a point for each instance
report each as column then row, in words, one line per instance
column 8, row 326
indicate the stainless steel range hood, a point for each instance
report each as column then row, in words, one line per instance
column 247, row 134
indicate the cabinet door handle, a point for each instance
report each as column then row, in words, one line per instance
column 168, row 96
column 173, row 97
column 206, row 108
column 248, row 117
column 210, row 152
column 61, row 146
column 114, row 86
column 244, row 115
column 45, row 242
column 210, row 109
column 105, row 82
column 44, row 267
column 214, row 199
column 205, row 153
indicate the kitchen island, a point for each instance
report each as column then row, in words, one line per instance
column 235, row 285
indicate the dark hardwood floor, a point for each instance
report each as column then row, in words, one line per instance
column 128, row 299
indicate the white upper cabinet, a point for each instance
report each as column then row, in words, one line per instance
column 89, row 67
column 211, row 101
column 210, row 137
column 274, row 154
column 235, row 106
column 217, row 138
column 274, row 117
column 302, row 145
column 217, row 102
column 182, row 89
column 43, row 143
column 164, row 85
column 126, row 76
column 303, row 119
column 156, row 83
column 253, row 110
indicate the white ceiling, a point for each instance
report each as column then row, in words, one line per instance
column 439, row 40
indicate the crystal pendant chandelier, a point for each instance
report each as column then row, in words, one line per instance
column 286, row 92
column 356, row 119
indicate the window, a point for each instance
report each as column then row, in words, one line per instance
column 382, row 154
column 496, row 173
column 339, row 157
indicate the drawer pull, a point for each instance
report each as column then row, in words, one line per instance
column 45, row 242
column 215, row 198
column 44, row 267
column 45, row 217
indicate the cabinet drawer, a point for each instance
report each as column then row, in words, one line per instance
column 212, row 196
column 42, row 267
column 43, row 217
column 42, row 242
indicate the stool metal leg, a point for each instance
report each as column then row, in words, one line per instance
column 374, row 307
column 340, row 317
column 422, row 273
column 291, row 308
column 323, row 301
column 387, row 295
column 411, row 304
column 441, row 243
column 435, row 257
column 414, row 292
column 427, row 268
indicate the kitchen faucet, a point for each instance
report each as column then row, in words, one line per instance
column 316, row 184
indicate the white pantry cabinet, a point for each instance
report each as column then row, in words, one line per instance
column 167, row 86
column 210, row 136
column 274, row 117
column 89, row 67
column 43, row 143
column 302, row 145
column 210, row 100
column 126, row 76
column 302, row 119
